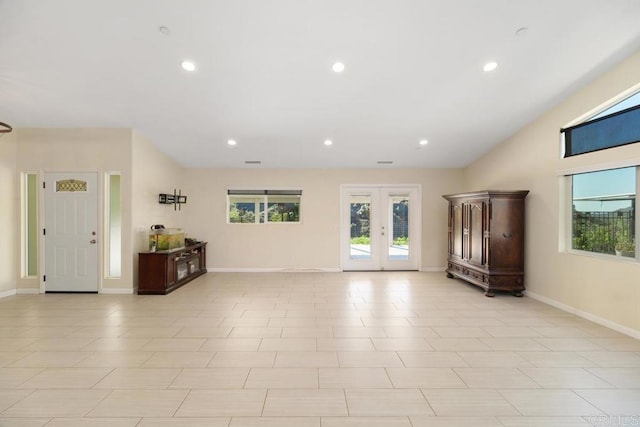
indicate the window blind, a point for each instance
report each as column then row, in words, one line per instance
column 264, row 192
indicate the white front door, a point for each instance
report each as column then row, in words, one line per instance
column 71, row 232
column 380, row 228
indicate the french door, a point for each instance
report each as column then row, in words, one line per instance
column 380, row 228
column 71, row 232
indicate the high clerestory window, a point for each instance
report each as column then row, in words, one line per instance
column 263, row 206
column 615, row 126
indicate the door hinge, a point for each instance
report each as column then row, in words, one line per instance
column 44, row 231
column 44, row 184
column 44, row 278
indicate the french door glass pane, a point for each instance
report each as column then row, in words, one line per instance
column 360, row 246
column 398, row 249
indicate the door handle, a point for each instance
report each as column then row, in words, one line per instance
column 93, row 241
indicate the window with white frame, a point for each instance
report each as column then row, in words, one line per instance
column 263, row 206
column 603, row 202
column 603, row 212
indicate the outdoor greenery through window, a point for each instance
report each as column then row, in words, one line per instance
column 263, row 206
column 604, row 212
column 361, row 218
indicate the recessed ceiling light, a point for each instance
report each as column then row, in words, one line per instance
column 423, row 142
column 490, row 66
column 328, row 142
column 338, row 67
column 164, row 30
column 232, row 142
column 521, row 31
column 188, row 65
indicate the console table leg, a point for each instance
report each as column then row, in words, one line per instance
column 489, row 294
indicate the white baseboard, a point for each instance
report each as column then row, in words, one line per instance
column 117, row 291
column 32, row 291
column 433, row 269
column 27, row 291
column 8, row 293
column 272, row 270
column 585, row 315
column 297, row 270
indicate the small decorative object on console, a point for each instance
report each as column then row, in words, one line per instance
column 190, row 242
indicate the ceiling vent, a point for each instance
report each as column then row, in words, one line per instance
column 385, row 162
column 252, row 162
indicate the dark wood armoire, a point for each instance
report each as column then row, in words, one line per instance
column 486, row 239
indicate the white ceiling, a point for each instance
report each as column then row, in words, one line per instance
column 264, row 78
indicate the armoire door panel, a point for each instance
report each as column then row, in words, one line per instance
column 507, row 232
column 457, row 213
column 476, row 232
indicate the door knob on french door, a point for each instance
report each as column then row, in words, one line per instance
column 93, row 241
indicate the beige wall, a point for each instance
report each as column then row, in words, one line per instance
column 153, row 173
column 605, row 289
column 100, row 150
column 75, row 150
column 9, row 260
column 315, row 243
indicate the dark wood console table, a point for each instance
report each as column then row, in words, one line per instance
column 162, row 272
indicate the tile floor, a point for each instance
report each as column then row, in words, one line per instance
column 311, row 350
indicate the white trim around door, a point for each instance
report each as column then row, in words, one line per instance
column 380, row 227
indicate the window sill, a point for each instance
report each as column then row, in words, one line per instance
column 604, row 257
